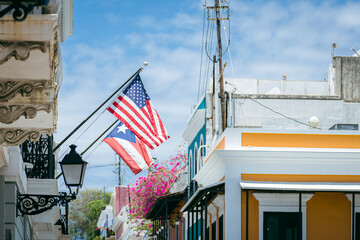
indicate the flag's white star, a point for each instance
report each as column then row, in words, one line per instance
column 122, row 128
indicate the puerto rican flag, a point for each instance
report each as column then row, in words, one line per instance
column 134, row 152
column 134, row 108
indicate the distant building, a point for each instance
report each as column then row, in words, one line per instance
column 30, row 78
column 287, row 164
column 105, row 222
column 122, row 225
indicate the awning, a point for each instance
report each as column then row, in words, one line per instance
column 209, row 191
column 301, row 187
column 165, row 204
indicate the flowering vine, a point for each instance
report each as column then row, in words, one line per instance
column 146, row 190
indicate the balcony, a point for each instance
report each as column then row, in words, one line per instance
column 39, row 158
column 31, row 71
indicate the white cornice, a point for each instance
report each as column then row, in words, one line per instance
column 195, row 124
column 279, row 161
column 212, row 171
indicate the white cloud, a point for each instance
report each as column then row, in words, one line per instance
column 112, row 18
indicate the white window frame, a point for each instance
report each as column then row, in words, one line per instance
column 281, row 202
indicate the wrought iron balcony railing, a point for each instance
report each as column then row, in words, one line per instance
column 191, row 189
column 40, row 156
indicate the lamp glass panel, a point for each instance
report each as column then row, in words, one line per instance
column 72, row 173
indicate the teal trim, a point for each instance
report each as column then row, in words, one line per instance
column 192, row 227
column 191, row 147
column 201, row 105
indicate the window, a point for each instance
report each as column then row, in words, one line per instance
column 202, row 152
column 195, row 160
column 282, row 226
column 274, row 208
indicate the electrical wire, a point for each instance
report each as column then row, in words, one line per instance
column 243, row 116
column 92, row 151
column 201, row 56
column 67, row 150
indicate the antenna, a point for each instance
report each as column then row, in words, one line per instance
column 334, row 45
column 355, row 52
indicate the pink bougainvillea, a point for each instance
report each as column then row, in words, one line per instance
column 158, row 182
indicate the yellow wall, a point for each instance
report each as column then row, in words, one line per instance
column 328, row 217
column 300, row 140
column 253, row 216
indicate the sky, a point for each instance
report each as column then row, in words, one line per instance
column 113, row 38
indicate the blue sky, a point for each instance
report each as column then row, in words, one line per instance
column 113, row 38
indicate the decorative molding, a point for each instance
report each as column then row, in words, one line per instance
column 9, row 88
column 11, row 113
column 15, row 137
column 20, row 50
column 55, row 60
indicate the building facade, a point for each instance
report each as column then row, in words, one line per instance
column 286, row 165
column 30, row 79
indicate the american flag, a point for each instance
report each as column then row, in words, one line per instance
column 134, row 108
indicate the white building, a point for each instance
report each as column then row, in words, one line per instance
column 287, row 164
column 30, row 79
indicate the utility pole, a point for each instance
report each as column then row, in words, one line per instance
column 218, row 18
column 221, row 79
column 118, row 169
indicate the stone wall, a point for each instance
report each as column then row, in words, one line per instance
column 347, row 78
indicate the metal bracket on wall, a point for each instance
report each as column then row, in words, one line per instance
column 33, row 204
column 21, row 7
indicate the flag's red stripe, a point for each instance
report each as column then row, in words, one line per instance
column 133, row 120
column 148, row 106
column 163, row 131
column 150, row 145
column 150, row 132
column 136, row 112
column 124, row 155
column 156, row 135
column 145, row 154
column 159, row 124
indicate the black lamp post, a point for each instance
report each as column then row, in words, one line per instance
column 73, row 169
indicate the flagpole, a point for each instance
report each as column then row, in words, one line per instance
column 99, row 137
column 97, row 109
column 57, row 177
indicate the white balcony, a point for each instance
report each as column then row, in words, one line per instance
column 31, row 71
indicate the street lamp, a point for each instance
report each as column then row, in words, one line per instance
column 73, row 169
